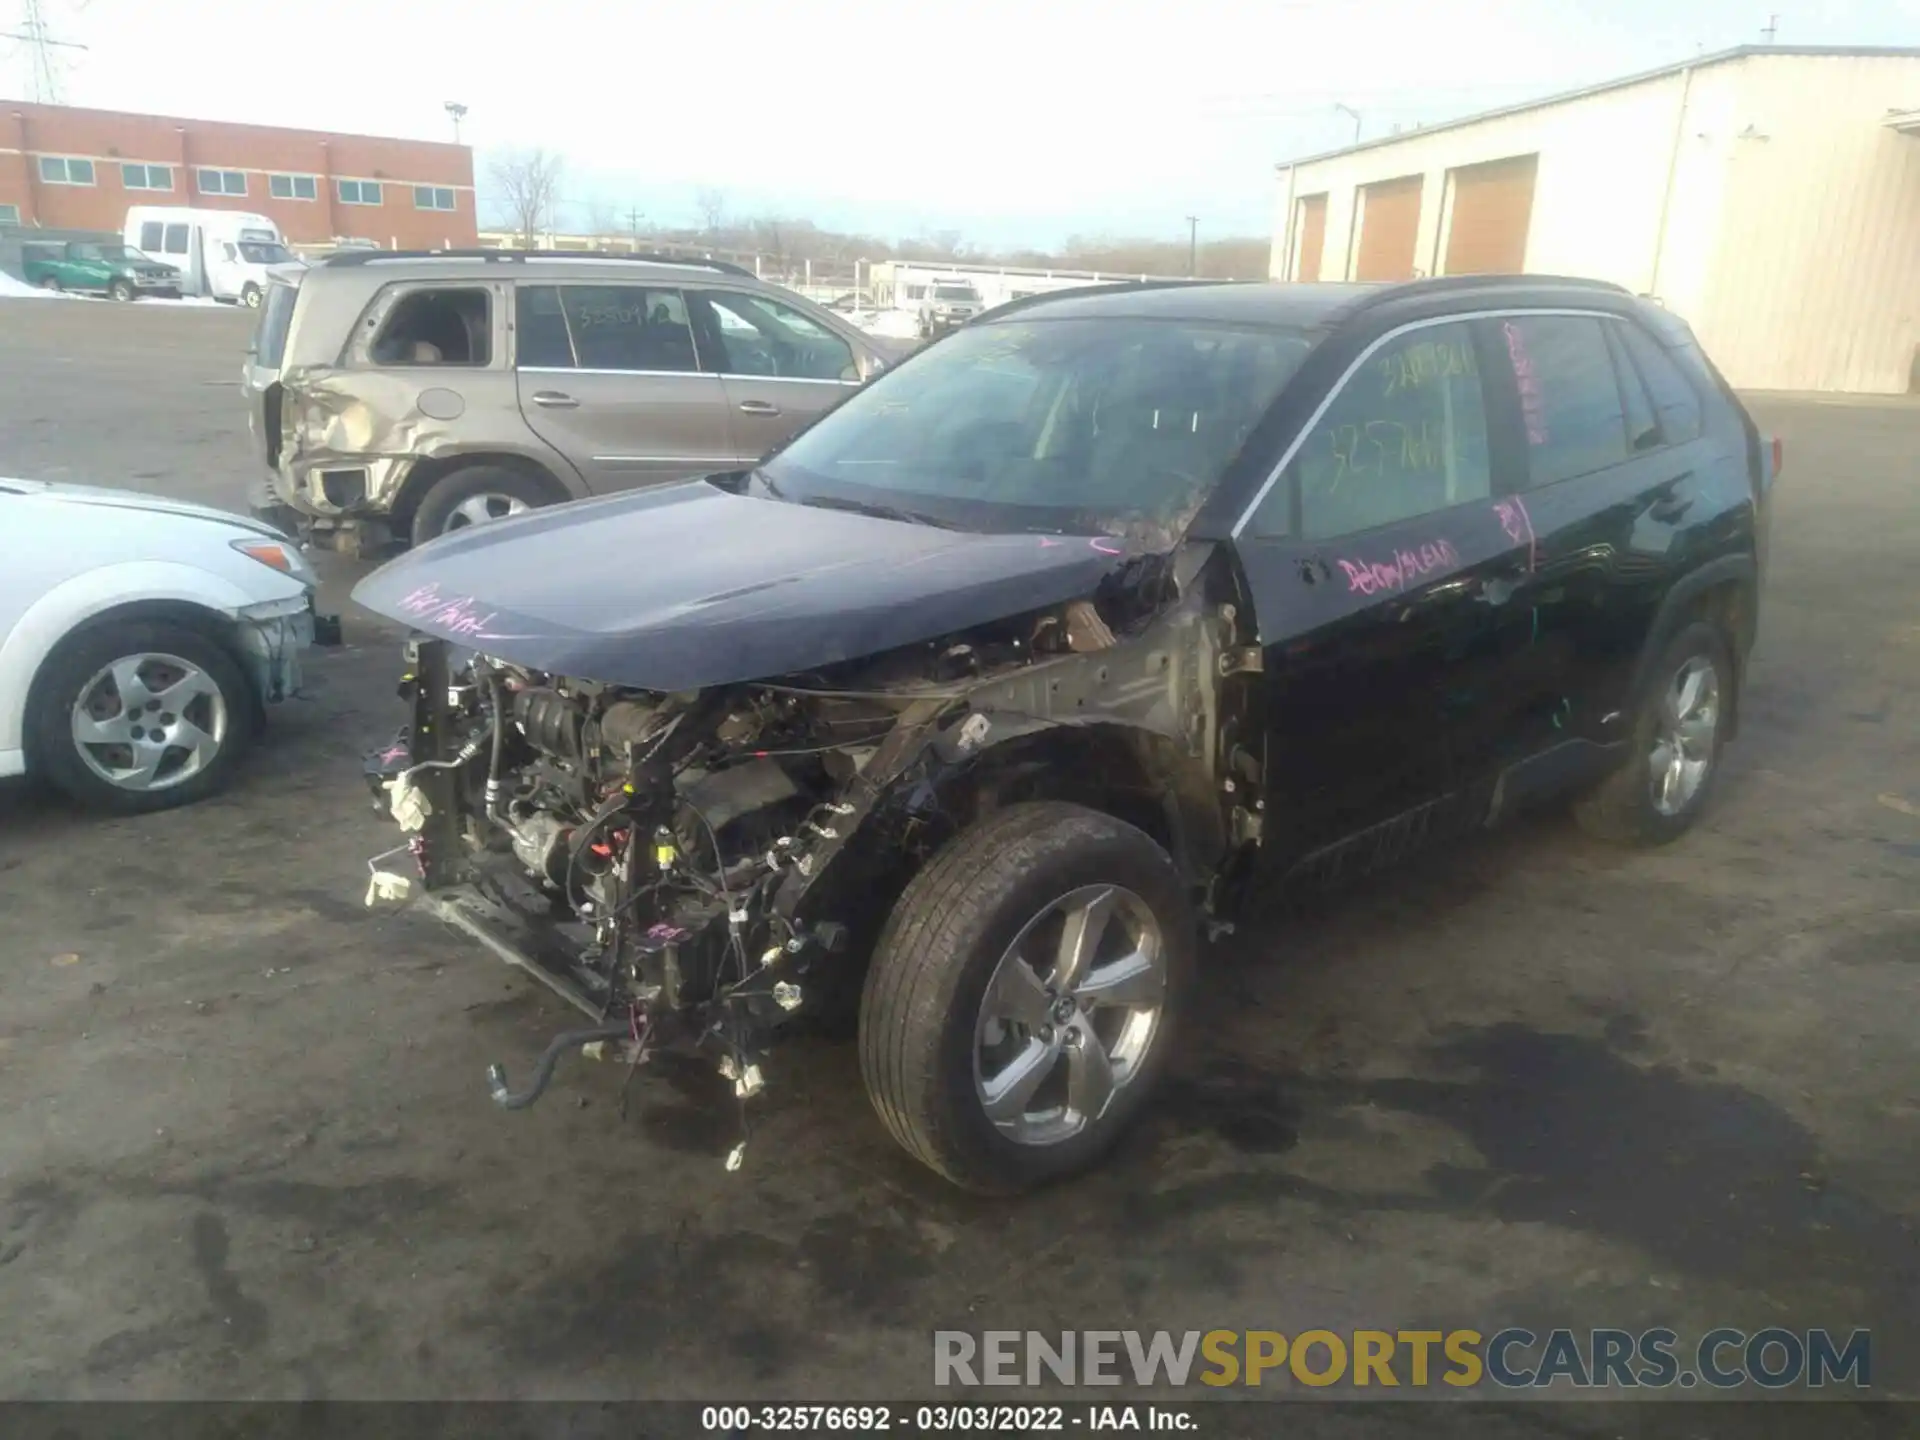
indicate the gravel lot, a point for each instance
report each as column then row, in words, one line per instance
column 246, row 1148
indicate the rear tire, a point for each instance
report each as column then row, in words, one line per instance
column 941, row 1045
column 51, row 282
column 472, row 495
column 1674, row 758
column 221, row 708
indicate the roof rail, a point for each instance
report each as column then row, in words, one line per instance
column 1115, row 287
column 1489, row 282
column 349, row 258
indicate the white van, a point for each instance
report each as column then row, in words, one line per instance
column 222, row 253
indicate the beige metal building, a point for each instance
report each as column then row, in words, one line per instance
column 1768, row 194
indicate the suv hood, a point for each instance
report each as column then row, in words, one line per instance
column 687, row 586
column 132, row 500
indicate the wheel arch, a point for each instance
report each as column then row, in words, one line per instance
column 429, row 470
column 1722, row 592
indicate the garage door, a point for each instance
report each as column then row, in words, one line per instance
column 1492, row 204
column 1313, row 236
column 1389, row 221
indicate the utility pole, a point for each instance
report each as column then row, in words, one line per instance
column 633, row 227
column 34, row 34
column 1771, row 28
column 1193, row 246
column 457, row 112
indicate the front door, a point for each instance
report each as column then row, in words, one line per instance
column 1374, row 565
column 782, row 368
column 609, row 376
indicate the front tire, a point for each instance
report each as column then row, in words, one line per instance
column 139, row 715
column 250, row 297
column 1022, row 999
column 1674, row 757
column 472, row 496
column 122, row 291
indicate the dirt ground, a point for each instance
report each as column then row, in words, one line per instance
column 246, row 1147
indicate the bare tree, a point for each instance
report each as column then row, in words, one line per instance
column 603, row 219
column 529, row 185
column 711, row 203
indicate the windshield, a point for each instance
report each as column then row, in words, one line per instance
column 264, row 252
column 1114, row 427
column 106, row 252
column 955, row 292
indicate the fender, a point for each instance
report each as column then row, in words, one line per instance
column 1739, row 570
column 69, row 605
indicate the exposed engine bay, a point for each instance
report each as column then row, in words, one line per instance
column 699, row 870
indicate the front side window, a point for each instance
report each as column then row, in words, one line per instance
column 432, row 197
column 628, row 327
column 436, row 327
column 359, row 192
column 1405, row 436
column 108, row 253
column 222, row 182
column 65, row 170
column 759, row 336
column 1569, row 399
column 146, row 177
column 293, row 187
column 1096, row 427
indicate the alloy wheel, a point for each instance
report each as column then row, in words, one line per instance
column 1684, row 734
column 488, row 505
column 1070, row 1014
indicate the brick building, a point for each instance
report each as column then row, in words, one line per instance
column 67, row 168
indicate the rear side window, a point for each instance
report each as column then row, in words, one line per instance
column 1569, row 399
column 1676, row 405
column 174, row 240
column 152, row 234
column 438, row 326
column 540, row 331
column 1406, row 436
column 276, row 317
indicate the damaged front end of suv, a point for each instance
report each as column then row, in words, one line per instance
column 694, row 758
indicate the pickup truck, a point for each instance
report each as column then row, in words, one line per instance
column 102, row 266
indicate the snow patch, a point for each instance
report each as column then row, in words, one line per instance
column 16, row 289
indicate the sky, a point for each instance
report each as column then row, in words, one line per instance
column 1013, row 122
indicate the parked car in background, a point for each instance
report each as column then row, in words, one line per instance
column 948, row 304
column 1114, row 613
column 96, row 267
column 224, row 254
column 398, row 396
column 140, row 640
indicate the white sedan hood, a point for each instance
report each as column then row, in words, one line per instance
column 101, row 495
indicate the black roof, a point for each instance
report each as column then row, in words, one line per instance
column 1273, row 302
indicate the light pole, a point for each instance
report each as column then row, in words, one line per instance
column 1193, row 245
column 457, row 112
column 1349, row 110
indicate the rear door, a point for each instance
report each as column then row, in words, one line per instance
column 782, row 368
column 1614, row 476
column 1367, row 561
column 610, row 376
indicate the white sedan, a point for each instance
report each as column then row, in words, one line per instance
column 140, row 640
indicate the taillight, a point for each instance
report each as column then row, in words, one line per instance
column 1779, row 455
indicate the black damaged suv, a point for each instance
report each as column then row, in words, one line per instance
column 1085, row 627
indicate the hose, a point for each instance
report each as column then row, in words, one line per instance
column 497, row 703
column 508, row 1099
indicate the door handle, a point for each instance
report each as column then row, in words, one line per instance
column 554, row 400
column 758, row 407
column 1669, row 509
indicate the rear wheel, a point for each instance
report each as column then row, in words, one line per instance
column 1021, row 1001
column 50, row 282
column 139, row 715
column 1674, row 754
column 473, row 496
column 121, row 290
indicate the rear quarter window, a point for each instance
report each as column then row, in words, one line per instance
column 276, row 318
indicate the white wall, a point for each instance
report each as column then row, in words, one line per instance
column 1761, row 198
column 1815, row 277
column 1597, row 193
